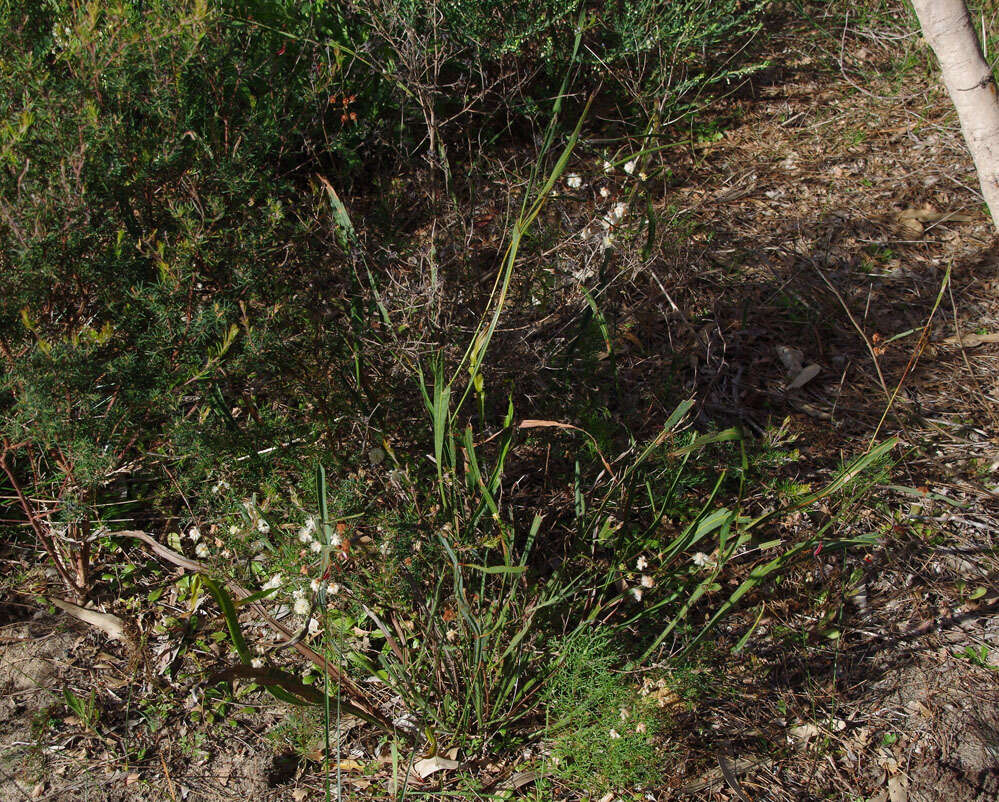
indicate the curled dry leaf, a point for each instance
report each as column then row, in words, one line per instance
column 424, row 768
column 802, row 734
column 791, row 358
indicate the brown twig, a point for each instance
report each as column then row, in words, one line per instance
column 33, row 519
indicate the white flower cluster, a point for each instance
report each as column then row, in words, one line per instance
column 307, row 536
column 257, row 520
column 200, row 547
column 301, row 605
column 645, row 581
column 62, row 36
column 615, row 215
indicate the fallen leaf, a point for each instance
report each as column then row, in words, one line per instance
column 633, row 339
column 518, row 780
column 791, row 358
column 971, row 340
column 805, row 375
column 802, row 734
column 424, row 768
column 316, row 756
column 112, row 625
column 930, row 215
column 898, row 788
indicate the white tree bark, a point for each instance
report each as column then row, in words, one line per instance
column 948, row 28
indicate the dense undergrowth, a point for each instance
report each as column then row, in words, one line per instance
column 241, row 311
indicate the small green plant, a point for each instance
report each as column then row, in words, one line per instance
column 85, row 708
column 977, row 656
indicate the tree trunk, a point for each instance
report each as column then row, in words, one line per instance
column 948, row 28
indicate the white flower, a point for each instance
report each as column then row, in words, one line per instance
column 608, row 166
column 625, row 714
column 335, row 539
column 636, row 594
column 629, row 168
column 234, row 530
column 314, row 585
column 257, row 662
column 641, row 563
column 194, row 533
column 274, row 582
column 451, row 635
column 647, row 581
column 201, row 550
column 304, row 536
column 262, row 526
column 619, row 211
column 642, row 176
column 316, row 546
column 604, row 192
column 640, row 728
column 614, row 735
column 314, row 626
column 332, row 589
column 702, row 560
column 573, row 181
column 608, row 242
column 301, row 606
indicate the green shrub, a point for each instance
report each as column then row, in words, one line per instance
column 604, row 734
column 173, row 294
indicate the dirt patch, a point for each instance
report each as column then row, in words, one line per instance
column 947, row 712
